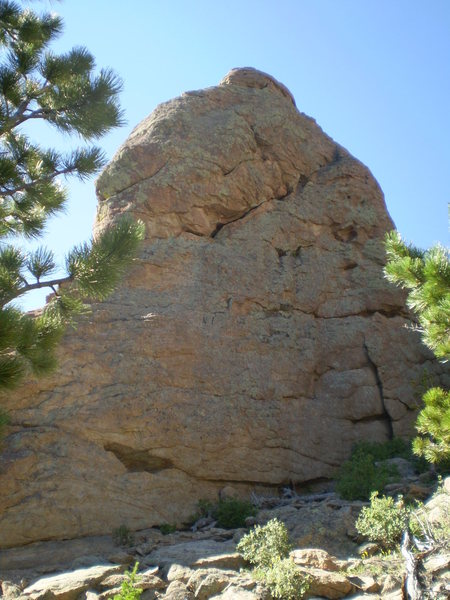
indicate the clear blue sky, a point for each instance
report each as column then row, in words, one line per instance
column 375, row 74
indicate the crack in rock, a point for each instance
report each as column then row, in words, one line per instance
column 373, row 367
column 219, row 226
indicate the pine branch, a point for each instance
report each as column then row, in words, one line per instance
column 426, row 274
column 19, row 117
column 31, row 184
column 64, row 92
column 51, row 283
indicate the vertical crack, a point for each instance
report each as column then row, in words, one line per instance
column 373, row 367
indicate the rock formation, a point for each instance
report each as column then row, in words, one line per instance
column 253, row 342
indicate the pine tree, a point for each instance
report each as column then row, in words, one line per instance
column 426, row 274
column 433, row 425
column 65, row 92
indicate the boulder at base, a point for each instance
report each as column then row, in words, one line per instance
column 251, row 344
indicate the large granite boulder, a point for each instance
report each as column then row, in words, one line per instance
column 252, row 343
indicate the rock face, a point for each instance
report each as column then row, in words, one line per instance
column 253, row 342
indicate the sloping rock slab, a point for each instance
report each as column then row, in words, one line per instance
column 190, row 554
column 68, row 586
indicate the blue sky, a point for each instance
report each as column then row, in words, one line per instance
column 375, row 74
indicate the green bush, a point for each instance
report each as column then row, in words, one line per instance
column 383, row 521
column 122, row 536
column 231, row 513
column 365, row 472
column 128, row 590
column 360, row 476
column 397, row 447
column 204, row 508
column 284, row 580
column 267, row 548
column 167, row 528
column 264, row 545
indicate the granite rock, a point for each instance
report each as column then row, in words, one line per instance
column 253, row 342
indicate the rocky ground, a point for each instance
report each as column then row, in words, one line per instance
column 204, row 563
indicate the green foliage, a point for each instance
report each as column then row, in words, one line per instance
column 205, row 508
column 383, row 521
column 365, row 472
column 359, row 476
column 129, row 589
column 426, row 274
column 231, row 513
column 96, row 268
column 26, row 340
column 64, row 92
column 397, row 447
column 433, row 425
column 267, row 548
column 122, row 536
column 424, row 382
column 167, row 528
column 284, row 580
column 4, row 420
column 265, row 544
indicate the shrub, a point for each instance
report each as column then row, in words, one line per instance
column 267, row 548
column 167, row 528
column 284, row 580
column 360, row 476
column 231, row 513
column 264, row 545
column 383, row 521
column 122, row 536
column 363, row 474
column 204, row 508
column 129, row 591
column 397, row 447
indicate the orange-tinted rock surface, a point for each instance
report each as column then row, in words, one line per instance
column 251, row 344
